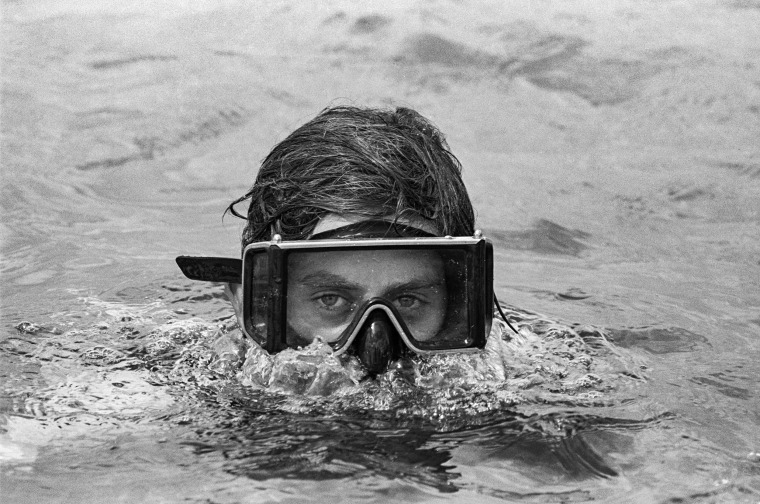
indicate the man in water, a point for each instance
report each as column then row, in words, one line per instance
column 360, row 232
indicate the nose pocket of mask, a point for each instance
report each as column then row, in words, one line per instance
column 377, row 343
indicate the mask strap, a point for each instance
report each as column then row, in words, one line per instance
column 501, row 312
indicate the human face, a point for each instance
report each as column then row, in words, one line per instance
column 325, row 289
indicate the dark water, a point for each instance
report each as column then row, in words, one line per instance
column 611, row 153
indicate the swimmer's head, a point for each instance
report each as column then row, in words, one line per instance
column 350, row 165
column 360, row 164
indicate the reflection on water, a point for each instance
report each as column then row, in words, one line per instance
column 611, row 154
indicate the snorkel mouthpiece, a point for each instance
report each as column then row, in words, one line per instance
column 378, row 343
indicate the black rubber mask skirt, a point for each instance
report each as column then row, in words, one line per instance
column 378, row 343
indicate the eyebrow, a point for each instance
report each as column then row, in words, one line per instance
column 415, row 284
column 323, row 279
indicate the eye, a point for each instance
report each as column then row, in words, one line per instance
column 331, row 302
column 407, row 302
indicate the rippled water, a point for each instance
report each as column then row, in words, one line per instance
column 611, row 153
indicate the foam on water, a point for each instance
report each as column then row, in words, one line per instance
column 557, row 367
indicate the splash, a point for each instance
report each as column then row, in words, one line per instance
column 546, row 365
column 545, row 368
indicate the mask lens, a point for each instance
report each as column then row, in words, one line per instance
column 436, row 292
column 328, row 291
column 258, row 296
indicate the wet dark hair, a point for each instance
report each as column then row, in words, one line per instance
column 373, row 163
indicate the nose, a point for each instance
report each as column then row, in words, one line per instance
column 378, row 343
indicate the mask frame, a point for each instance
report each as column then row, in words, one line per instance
column 264, row 302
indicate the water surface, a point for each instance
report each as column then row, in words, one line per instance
column 610, row 151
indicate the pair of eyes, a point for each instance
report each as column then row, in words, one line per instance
column 333, row 302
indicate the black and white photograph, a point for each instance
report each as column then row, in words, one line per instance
column 415, row 251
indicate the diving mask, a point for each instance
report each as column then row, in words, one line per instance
column 355, row 288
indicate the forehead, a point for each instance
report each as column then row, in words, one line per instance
column 367, row 266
